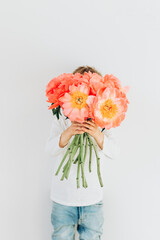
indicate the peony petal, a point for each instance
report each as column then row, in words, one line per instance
column 67, row 111
column 83, row 113
column 74, row 114
column 83, row 88
column 90, row 100
column 125, row 89
column 67, row 105
column 67, row 97
column 72, row 88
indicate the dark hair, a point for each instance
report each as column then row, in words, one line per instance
column 82, row 69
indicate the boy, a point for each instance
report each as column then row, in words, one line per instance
column 72, row 206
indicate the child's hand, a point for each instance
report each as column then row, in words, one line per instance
column 91, row 127
column 75, row 128
column 79, row 128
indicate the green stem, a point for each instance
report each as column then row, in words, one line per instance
column 65, row 166
column 86, row 147
column 76, row 160
column 90, row 152
column 84, row 182
column 70, row 161
column 98, row 162
column 85, row 153
column 81, row 146
column 74, row 150
column 65, row 155
column 71, row 149
column 78, row 169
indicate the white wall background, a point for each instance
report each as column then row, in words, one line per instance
column 42, row 39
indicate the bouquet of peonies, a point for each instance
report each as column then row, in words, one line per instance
column 85, row 97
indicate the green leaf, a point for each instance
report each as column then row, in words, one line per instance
column 56, row 111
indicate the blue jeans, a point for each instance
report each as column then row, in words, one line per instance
column 88, row 219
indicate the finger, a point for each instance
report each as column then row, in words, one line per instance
column 77, row 124
column 78, row 129
column 88, row 131
column 79, row 132
column 88, row 126
column 90, row 123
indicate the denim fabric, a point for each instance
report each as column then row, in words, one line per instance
column 88, row 221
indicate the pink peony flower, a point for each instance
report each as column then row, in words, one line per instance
column 96, row 82
column 112, row 81
column 74, row 103
column 108, row 107
column 57, row 88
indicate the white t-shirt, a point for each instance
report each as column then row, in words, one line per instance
column 65, row 191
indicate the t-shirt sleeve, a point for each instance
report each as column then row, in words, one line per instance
column 52, row 144
column 111, row 147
